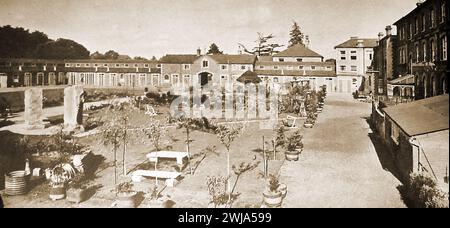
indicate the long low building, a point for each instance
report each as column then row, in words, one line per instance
column 297, row 63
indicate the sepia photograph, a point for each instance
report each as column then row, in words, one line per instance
column 237, row 104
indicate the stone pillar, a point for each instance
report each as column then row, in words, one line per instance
column 33, row 109
column 73, row 108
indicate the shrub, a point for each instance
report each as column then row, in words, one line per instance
column 421, row 191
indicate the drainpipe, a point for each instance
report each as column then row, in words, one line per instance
column 413, row 141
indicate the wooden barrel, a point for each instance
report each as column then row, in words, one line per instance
column 16, row 183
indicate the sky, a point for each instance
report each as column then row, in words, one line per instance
column 157, row 27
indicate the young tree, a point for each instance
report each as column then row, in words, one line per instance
column 111, row 54
column 155, row 132
column 263, row 46
column 214, row 50
column 97, row 55
column 297, row 37
column 226, row 135
column 188, row 124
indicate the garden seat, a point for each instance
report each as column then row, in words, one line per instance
column 153, row 156
column 169, row 177
column 291, row 122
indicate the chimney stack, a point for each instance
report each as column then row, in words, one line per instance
column 388, row 30
column 199, row 52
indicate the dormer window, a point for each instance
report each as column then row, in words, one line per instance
column 299, row 60
column 281, row 59
column 205, row 64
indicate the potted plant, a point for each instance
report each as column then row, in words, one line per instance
column 58, row 181
column 126, row 196
column 77, row 190
column 272, row 194
column 309, row 123
column 294, row 146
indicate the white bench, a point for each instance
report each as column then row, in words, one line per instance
column 169, row 177
column 153, row 156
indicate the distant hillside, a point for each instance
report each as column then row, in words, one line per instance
column 20, row 43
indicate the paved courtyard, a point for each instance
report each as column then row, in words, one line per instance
column 339, row 166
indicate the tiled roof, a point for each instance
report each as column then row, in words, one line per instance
column 298, row 50
column 234, row 59
column 421, row 117
column 179, row 59
column 306, row 73
column 353, row 43
column 249, row 76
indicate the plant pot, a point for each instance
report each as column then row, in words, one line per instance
column 272, row 199
column 57, row 192
column 16, row 183
column 283, row 189
column 126, row 200
column 76, row 195
column 308, row 125
column 292, row 155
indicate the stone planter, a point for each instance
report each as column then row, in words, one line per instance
column 126, row 200
column 57, row 192
column 292, row 155
column 272, row 199
column 76, row 195
column 283, row 189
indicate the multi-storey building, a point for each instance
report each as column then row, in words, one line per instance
column 423, row 46
column 298, row 63
column 204, row 69
column 353, row 60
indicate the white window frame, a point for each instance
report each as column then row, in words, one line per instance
column 186, row 66
column 223, row 67
column 203, row 63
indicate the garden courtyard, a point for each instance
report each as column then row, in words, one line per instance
column 338, row 167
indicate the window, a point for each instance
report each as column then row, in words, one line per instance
column 261, row 67
column 146, row 65
column 353, row 52
column 443, row 12
column 126, row 65
column 411, row 31
column 96, row 65
column 135, row 65
column 186, row 66
column 354, row 68
column 343, row 58
column 342, row 52
column 343, row 68
column 166, row 77
column 424, row 50
column 281, row 59
column 416, row 28
column 105, row 65
column 299, row 60
column 78, row 65
column 300, row 67
column 444, row 47
column 275, row 79
column 67, row 64
column 394, row 133
column 370, row 56
column 117, row 65
column 417, row 53
column 175, row 79
column 87, row 65
column 224, row 67
column 433, row 50
column 205, row 64
column 275, row 67
column 243, row 67
column 313, row 67
column 158, row 66
column 353, row 57
column 424, row 22
column 432, row 18
column 328, row 68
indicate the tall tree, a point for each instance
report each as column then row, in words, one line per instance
column 62, row 49
column 154, row 58
column 20, row 43
column 297, row 37
column 111, row 54
column 214, row 50
column 139, row 58
column 263, row 46
column 97, row 55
